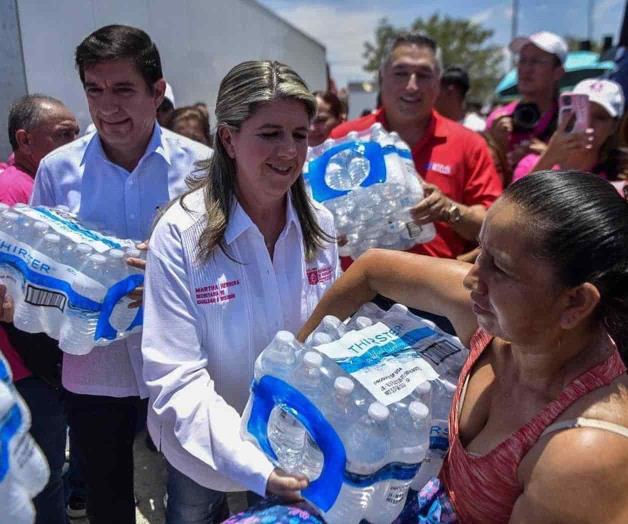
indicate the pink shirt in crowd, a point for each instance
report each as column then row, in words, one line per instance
column 16, row 186
column 528, row 162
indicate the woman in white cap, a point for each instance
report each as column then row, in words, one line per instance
column 587, row 150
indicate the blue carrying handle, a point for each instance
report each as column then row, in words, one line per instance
column 270, row 391
column 372, row 151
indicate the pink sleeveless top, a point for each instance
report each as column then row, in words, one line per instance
column 483, row 489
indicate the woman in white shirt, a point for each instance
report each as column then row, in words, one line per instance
column 242, row 255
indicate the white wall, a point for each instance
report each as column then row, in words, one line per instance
column 199, row 41
column 12, row 77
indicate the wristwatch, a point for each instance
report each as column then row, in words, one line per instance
column 453, row 213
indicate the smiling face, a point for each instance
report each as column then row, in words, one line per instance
column 409, row 83
column 269, row 149
column 122, row 106
column 515, row 295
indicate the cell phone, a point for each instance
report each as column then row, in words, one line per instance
column 575, row 107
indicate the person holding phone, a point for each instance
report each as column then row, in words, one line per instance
column 580, row 146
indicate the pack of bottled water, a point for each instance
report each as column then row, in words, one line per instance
column 67, row 279
column 368, row 181
column 361, row 409
column 24, row 471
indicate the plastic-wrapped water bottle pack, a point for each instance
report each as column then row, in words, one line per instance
column 368, row 181
column 360, row 409
column 24, row 471
column 67, row 280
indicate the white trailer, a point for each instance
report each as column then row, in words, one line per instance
column 199, row 41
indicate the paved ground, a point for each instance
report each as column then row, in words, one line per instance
column 150, row 486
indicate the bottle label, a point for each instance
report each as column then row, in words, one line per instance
column 391, row 359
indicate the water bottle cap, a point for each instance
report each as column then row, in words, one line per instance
column 116, row 253
column 97, row 258
column 312, row 359
column 284, row 337
column 83, row 249
column 331, row 321
column 321, row 338
column 353, row 136
column 378, row 412
column 399, row 309
column 423, row 388
column 363, row 322
column 418, row 410
column 328, row 144
column 376, row 127
column 344, row 386
column 53, row 238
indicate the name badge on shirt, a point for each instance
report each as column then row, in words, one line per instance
column 443, row 169
column 319, row 275
column 217, row 293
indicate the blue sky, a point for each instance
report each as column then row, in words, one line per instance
column 343, row 26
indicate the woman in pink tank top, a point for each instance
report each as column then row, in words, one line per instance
column 539, row 422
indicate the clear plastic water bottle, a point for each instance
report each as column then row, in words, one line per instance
column 332, row 326
column 79, row 328
column 285, row 433
column 280, row 357
column 367, row 449
column 309, row 381
column 343, row 410
column 442, row 395
column 29, row 314
column 409, row 442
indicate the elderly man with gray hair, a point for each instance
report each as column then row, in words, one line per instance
column 460, row 179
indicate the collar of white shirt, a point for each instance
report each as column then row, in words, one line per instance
column 156, row 145
column 239, row 221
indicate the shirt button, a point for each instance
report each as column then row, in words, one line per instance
column 132, row 215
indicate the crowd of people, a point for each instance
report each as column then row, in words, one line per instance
column 529, row 268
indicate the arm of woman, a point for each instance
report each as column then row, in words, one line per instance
column 428, row 283
column 182, row 394
column 578, row 476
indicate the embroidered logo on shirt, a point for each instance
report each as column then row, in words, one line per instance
column 319, row 275
column 216, row 293
column 439, row 168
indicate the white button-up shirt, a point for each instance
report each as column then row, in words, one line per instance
column 205, row 324
column 80, row 176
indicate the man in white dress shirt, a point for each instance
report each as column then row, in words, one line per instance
column 118, row 178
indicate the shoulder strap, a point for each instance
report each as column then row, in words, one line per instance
column 582, row 422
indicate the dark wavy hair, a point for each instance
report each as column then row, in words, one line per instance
column 115, row 42
column 580, row 223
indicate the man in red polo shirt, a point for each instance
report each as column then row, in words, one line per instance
column 460, row 178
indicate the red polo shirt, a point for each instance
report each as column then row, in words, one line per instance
column 453, row 158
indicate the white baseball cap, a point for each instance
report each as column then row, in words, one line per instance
column 548, row 42
column 169, row 94
column 607, row 93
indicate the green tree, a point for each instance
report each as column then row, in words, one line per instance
column 462, row 43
